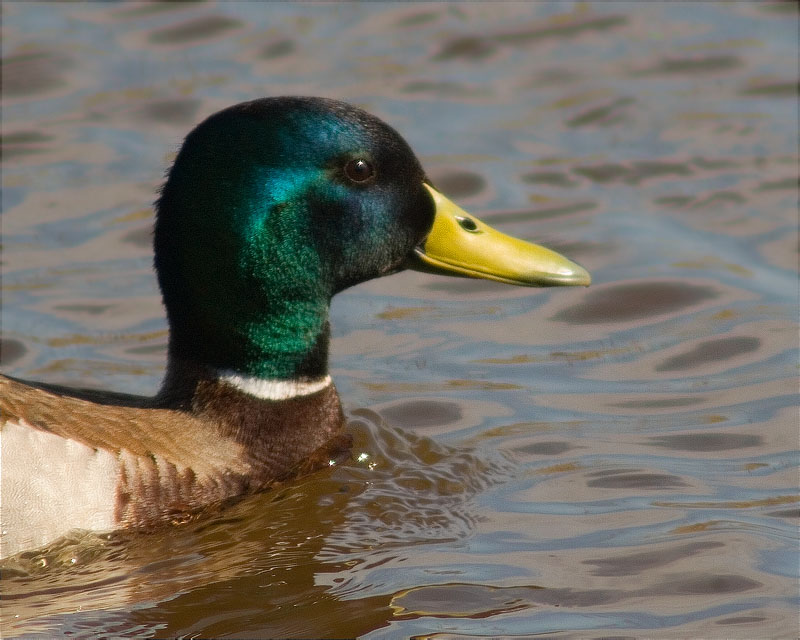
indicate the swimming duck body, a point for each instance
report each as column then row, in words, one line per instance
column 271, row 208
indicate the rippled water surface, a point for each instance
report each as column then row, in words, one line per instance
column 612, row 461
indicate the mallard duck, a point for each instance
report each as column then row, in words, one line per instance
column 271, row 208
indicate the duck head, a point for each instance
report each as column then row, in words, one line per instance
column 273, row 206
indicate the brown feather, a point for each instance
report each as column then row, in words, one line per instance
column 196, row 444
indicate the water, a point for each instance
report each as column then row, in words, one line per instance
column 616, row 461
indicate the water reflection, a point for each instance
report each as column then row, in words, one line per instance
column 634, row 302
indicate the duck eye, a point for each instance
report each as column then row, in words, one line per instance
column 467, row 224
column 359, row 170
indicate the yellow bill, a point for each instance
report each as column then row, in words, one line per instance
column 460, row 244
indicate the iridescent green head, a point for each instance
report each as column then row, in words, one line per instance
column 271, row 208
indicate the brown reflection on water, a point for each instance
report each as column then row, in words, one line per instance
column 477, row 48
column 707, row 584
column 481, row 601
column 371, row 342
column 784, row 252
column 607, row 309
column 778, row 88
column 35, row 72
column 710, row 350
column 277, row 47
column 749, row 343
column 707, row 441
column 106, row 321
column 195, row 31
column 766, row 184
column 604, row 113
column 635, row 301
column 550, row 209
column 43, row 146
column 741, row 620
column 687, row 65
column 458, row 183
column 146, row 9
column 461, row 91
column 633, row 479
column 434, row 417
column 11, row 350
column 75, row 203
column 18, row 144
column 784, row 513
column 551, row 178
column 174, row 111
column 638, row 563
column 142, row 237
column 673, row 402
column 635, row 173
column 545, row 448
column 667, row 403
column 422, row 413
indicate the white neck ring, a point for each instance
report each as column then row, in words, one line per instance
column 267, row 389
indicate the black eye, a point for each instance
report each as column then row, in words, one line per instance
column 359, row 170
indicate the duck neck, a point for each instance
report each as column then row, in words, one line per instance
column 246, row 295
column 285, row 427
column 274, row 356
column 273, row 389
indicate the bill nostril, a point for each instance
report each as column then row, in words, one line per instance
column 468, row 224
